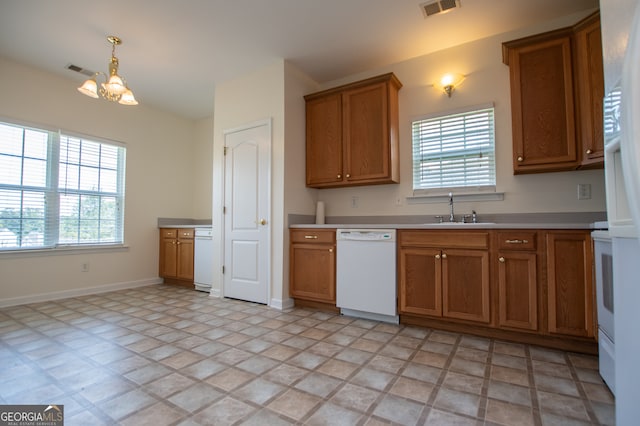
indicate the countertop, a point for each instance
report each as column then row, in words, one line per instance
column 447, row 225
column 164, row 222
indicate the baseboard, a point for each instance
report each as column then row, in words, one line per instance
column 280, row 304
column 64, row 294
column 215, row 292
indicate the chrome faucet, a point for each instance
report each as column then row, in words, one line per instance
column 451, row 216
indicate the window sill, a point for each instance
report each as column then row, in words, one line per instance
column 62, row 251
column 444, row 198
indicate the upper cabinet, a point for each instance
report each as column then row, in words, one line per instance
column 352, row 134
column 556, row 98
column 590, row 72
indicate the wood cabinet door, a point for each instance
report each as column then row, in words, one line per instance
column 324, row 141
column 517, row 290
column 465, row 285
column 420, row 281
column 313, row 272
column 366, row 133
column 542, row 103
column 590, row 79
column 168, row 257
column 185, row 259
column 570, row 283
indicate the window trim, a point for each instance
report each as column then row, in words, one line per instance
column 52, row 172
column 485, row 192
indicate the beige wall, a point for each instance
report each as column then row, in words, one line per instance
column 239, row 102
column 159, row 180
column 487, row 81
column 174, row 166
column 202, row 167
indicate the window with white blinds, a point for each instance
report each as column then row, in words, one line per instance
column 454, row 151
column 59, row 190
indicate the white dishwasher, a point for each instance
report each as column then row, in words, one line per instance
column 203, row 259
column 366, row 273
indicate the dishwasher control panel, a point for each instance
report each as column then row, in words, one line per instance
column 366, row 234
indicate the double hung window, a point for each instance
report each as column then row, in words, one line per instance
column 454, row 151
column 58, row 189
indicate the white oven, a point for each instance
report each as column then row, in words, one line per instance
column 603, row 258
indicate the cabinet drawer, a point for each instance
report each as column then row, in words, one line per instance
column 185, row 233
column 517, row 240
column 449, row 239
column 169, row 233
column 313, row 236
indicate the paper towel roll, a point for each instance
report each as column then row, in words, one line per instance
column 320, row 213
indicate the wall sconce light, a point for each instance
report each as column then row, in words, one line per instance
column 450, row 81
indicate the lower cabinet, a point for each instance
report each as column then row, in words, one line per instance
column 525, row 285
column 517, row 263
column 312, row 261
column 444, row 280
column 570, row 283
column 176, row 256
column 530, row 286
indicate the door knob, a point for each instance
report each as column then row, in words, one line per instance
column 263, row 221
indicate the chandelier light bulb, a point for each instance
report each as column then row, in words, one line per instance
column 114, row 88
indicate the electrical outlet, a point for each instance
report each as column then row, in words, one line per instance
column 354, row 202
column 584, row 191
column 84, row 267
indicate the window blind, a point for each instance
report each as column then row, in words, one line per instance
column 58, row 190
column 454, row 151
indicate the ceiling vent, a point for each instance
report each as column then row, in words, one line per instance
column 441, row 6
column 81, row 70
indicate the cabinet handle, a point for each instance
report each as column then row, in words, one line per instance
column 516, row 241
column 589, row 151
column 178, row 242
column 437, row 256
column 348, row 176
column 339, row 176
column 186, row 234
column 310, row 237
column 501, row 259
column 444, row 255
column 173, row 243
column 330, row 250
column 520, row 158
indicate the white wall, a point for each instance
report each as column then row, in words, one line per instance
column 159, row 177
column 487, row 81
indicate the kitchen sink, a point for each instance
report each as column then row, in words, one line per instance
column 471, row 224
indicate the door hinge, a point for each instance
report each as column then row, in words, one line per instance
column 222, row 269
column 225, row 151
column 224, row 210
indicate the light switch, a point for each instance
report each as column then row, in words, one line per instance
column 584, row 191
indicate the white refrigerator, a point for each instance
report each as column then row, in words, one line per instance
column 621, row 49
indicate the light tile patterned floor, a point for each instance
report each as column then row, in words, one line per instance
column 163, row 355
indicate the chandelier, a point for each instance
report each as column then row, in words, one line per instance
column 114, row 88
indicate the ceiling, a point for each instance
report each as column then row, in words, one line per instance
column 175, row 52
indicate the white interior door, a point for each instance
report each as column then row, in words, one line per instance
column 247, row 207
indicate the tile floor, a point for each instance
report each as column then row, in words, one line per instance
column 162, row 355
